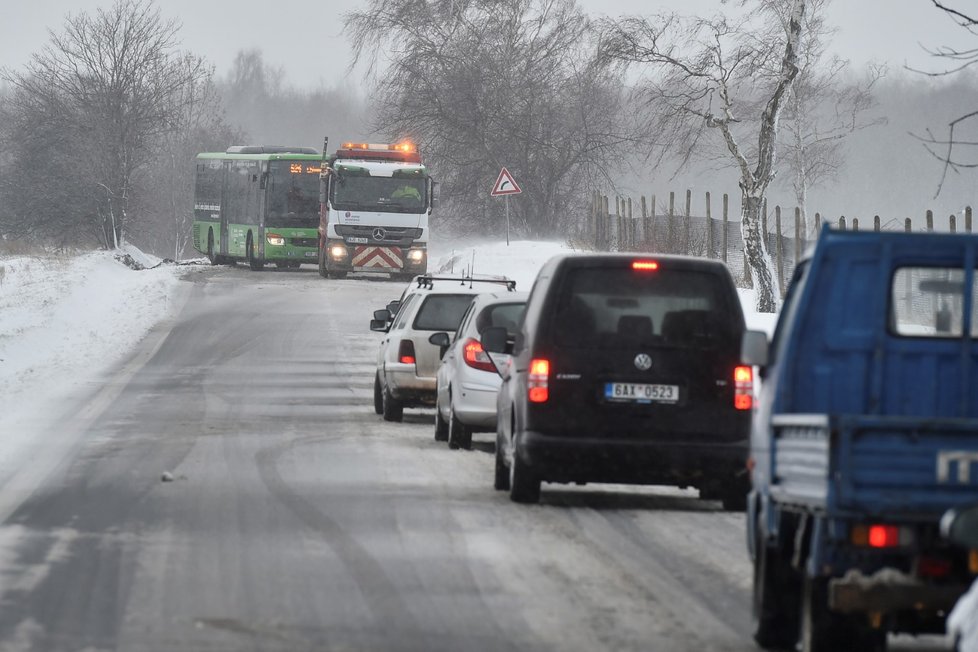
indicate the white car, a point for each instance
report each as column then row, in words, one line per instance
column 960, row 526
column 467, row 380
column 406, row 361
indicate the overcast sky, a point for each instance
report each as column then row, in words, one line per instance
column 306, row 39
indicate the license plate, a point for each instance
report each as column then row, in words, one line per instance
column 641, row 393
column 358, row 240
column 311, row 254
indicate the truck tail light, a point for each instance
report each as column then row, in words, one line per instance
column 538, row 381
column 743, row 387
column 476, row 357
column 405, row 352
column 877, row 535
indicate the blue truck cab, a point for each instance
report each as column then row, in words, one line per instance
column 865, row 432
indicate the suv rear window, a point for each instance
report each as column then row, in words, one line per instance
column 618, row 307
column 442, row 312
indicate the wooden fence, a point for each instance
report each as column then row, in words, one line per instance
column 619, row 224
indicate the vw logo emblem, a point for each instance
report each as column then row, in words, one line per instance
column 643, row 362
column 379, row 234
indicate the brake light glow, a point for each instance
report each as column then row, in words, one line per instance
column 645, row 265
column 743, row 387
column 933, row 567
column 405, row 353
column 538, row 381
column 877, row 535
column 476, row 357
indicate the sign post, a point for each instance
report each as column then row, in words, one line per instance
column 504, row 187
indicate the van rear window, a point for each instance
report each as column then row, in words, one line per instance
column 622, row 308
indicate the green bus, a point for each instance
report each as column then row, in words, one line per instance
column 258, row 204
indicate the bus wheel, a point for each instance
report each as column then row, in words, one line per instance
column 215, row 260
column 256, row 264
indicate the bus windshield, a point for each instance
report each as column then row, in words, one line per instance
column 382, row 194
column 293, row 193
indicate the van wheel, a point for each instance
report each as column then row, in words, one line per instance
column 378, row 395
column 774, row 616
column 214, row 259
column 441, row 426
column 501, row 480
column 524, row 485
column 392, row 409
column 459, row 434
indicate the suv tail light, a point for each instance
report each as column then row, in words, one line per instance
column 476, row 357
column 743, row 387
column 538, row 380
column 405, row 353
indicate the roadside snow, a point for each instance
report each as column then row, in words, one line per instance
column 64, row 321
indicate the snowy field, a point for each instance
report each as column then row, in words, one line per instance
column 66, row 320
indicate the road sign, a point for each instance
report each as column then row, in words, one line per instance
column 505, row 185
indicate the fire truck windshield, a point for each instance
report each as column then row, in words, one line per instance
column 381, row 194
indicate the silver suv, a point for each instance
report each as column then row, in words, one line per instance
column 406, row 361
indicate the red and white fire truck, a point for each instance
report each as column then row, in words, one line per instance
column 375, row 201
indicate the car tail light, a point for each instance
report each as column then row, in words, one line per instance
column 538, row 381
column 877, row 535
column 476, row 357
column 743, row 387
column 645, row 265
column 405, row 353
column 933, row 567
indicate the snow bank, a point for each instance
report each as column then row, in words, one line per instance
column 65, row 320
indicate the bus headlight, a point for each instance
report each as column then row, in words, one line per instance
column 337, row 252
column 275, row 239
column 416, row 255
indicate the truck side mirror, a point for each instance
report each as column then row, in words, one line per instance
column 442, row 341
column 960, row 526
column 754, row 348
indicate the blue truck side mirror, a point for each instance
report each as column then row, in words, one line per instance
column 960, row 526
column 754, row 348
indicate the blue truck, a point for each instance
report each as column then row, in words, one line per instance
column 865, row 432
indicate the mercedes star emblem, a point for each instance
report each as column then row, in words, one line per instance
column 379, row 234
column 643, row 362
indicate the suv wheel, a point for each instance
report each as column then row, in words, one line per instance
column 459, row 434
column 441, row 426
column 378, row 395
column 524, row 485
column 501, row 480
column 392, row 409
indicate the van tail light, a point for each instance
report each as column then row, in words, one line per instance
column 538, row 380
column 476, row 357
column 405, row 352
column 743, row 387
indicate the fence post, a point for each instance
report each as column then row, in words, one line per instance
column 709, row 227
column 686, row 220
column 618, row 222
column 631, row 227
column 780, row 249
column 672, row 231
column 876, row 223
column 842, row 223
column 855, row 224
column 907, row 226
column 818, row 224
column 967, row 219
column 952, row 222
column 726, row 205
column 652, row 222
column 798, row 233
column 645, row 222
column 930, row 220
column 608, row 220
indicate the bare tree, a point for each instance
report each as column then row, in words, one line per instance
column 955, row 151
column 103, row 92
column 823, row 108
column 726, row 77
column 483, row 84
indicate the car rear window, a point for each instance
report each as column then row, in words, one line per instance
column 618, row 307
column 507, row 315
column 442, row 312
